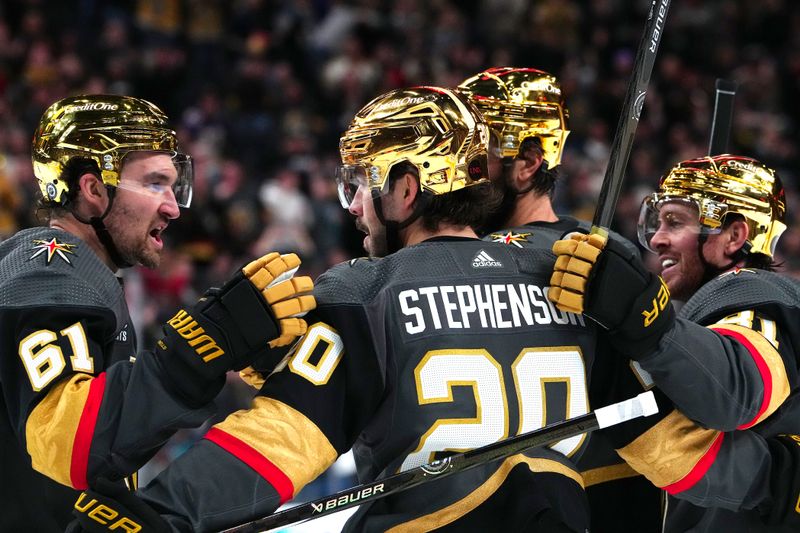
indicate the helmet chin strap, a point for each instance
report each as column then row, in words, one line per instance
column 102, row 232
column 393, row 227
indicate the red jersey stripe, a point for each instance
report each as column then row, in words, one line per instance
column 763, row 369
column 249, row 456
column 699, row 470
column 85, row 431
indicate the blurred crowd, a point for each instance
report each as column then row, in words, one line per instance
column 260, row 91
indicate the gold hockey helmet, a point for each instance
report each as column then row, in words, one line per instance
column 435, row 129
column 717, row 186
column 103, row 128
column 519, row 103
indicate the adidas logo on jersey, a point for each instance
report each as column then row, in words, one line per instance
column 482, row 259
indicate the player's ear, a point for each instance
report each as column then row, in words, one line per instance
column 526, row 169
column 737, row 233
column 409, row 189
column 93, row 194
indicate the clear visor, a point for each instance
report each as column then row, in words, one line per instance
column 669, row 215
column 159, row 184
column 348, row 180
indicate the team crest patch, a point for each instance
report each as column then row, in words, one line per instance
column 737, row 270
column 510, row 238
column 53, row 248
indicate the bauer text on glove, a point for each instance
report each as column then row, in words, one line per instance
column 258, row 308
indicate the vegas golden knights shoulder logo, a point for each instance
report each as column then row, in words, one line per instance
column 53, row 249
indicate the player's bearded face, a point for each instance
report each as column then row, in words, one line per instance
column 678, row 248
column 367, row 221
column 142, row 210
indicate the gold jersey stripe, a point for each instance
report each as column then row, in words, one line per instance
column 669, row 450
column 283, row 435
column 770, row 366
column 51, row 427
column 604, row 474
column 474, row 499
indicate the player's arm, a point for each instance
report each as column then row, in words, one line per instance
column 730, row 375
column 75, row 420
column 721, row 377
column 729, row 470
column 80, row 418
column 735, row 470
column 709, row 468
column 305, row 416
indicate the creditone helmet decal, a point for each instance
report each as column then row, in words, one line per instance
column 717, row 186
column 104, row 129
column 435, row 129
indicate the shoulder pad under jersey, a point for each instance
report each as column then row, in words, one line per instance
column 544, row 234
column 740, row 289
column 47, row 266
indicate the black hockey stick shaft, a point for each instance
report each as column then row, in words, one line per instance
column 631, row 111
column 642, row 405
column 723, row 117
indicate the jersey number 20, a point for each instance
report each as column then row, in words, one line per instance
column 441, row 370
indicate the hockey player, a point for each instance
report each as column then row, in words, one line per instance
column 439, row 343
column 526, row 111
column 714, row 223
column 73, row 406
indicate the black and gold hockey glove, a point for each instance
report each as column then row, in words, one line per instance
column 785, row 481
column 259, row 308
column 111, row 507
column 608, row 283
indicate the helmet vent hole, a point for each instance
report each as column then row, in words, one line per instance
column 420, row 111
column 439, row 123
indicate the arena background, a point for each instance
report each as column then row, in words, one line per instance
column 259, row 92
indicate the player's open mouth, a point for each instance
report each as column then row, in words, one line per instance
column 362, row 227
column 667, row 263
column 155, row 234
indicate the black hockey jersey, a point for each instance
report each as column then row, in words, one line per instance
column 72, row 405
column 620, row 498
column 750, row 318
column 441, row 347
column 724, row 472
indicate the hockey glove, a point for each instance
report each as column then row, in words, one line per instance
column 609, row 284
column 785, row 481
column 112, row 507
column 260, row 307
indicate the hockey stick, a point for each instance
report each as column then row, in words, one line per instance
column 642, row 405
column 629, row 117
column 723, row 117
